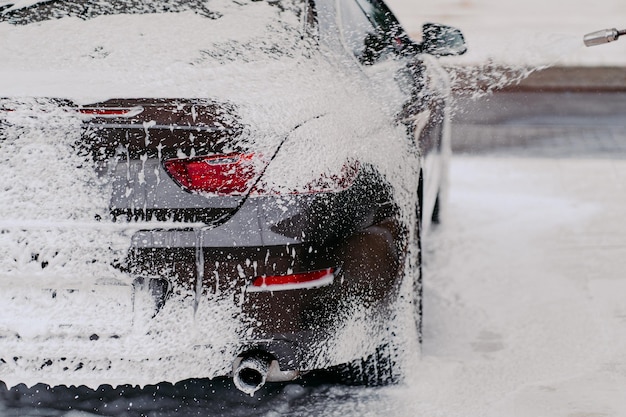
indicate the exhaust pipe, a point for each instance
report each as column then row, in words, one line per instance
column 251, row 372
column 253, row 369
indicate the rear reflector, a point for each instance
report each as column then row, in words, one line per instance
column 301, row 280
column 226, row 174
column 111, row 111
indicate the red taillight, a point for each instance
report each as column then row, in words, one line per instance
column 110, row 111
column 229, row 174
column 301, row 280
column 236, row 173
column 336, row 182
column 324, row 183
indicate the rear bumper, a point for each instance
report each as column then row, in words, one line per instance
column 128, row 360
column 119, row 334
column 113, row 337
column 293, row 322
column 114, row 330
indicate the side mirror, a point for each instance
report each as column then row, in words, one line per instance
column 442, row 40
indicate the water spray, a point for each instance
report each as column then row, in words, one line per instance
column 603, row 36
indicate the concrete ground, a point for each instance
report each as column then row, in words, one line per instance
column 558, row 112
column 524, row 285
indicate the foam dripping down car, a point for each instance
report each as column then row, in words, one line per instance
column 195, row 189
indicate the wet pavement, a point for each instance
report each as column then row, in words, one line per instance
column 480, row 355
column 540, row 123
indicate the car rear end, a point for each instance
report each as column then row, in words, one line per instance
column 152, row 235
column 209, row 216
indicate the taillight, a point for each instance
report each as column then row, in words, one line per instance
column 228, row 174
column 236, row 173
column 301, row 280
column 335, row 182
column 324, row 183
column 110, row 111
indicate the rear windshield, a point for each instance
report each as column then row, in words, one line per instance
column 25, row 12
column 124, row 32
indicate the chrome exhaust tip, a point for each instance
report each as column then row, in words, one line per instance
column 253, row 369
column 250, row 373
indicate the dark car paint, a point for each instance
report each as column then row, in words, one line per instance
column 354, row 230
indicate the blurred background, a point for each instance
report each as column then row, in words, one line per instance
column 541, row 32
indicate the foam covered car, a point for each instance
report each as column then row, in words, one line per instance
column 204, row 188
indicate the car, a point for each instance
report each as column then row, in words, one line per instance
column 199, row 189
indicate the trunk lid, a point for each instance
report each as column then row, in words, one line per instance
column 175, row 160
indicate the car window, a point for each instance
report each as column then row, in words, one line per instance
column 367, row 30
column 379, row 16
column 39, row 11
column 148, row 34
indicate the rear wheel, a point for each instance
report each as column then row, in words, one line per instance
column 381, row 368
column 416, row 275
column 436, row 217
column 378, row 369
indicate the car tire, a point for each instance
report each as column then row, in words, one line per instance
column 436, row 217
column 381, row 368
column 377, row 369
column 417, row 287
